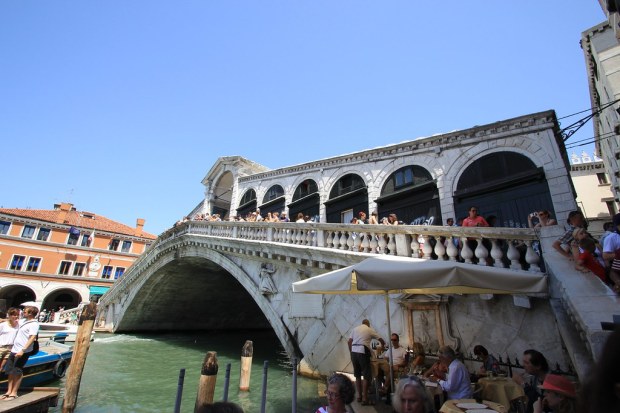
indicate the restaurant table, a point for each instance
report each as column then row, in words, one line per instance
column 471, row 406
column 501, row 390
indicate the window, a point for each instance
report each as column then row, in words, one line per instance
column 85, row 240
column 602, row 178
column 33, row 264
column 114, row 245
column 28, row 231
column 4, row 227
column 126, row 246
column 44, row 234
column 611, row 207
column 78, row 269
column 18, row 262
column 119, row 272
column 107, row 272
column 64, row 267
column 73, row 238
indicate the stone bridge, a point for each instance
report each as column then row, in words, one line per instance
column 238, row 275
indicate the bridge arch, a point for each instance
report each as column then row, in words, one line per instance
column 195, row 272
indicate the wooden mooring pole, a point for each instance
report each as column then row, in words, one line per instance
column 208, row 377
column 226, row 382
column 78, row 360
column 246, row 365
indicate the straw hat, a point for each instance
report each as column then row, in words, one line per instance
column 560, row 385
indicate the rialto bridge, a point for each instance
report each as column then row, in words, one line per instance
column 237, row 275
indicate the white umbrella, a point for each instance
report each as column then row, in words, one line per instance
column 31, row 304
column 401, row 275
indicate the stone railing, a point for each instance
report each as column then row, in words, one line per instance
column 499, row 247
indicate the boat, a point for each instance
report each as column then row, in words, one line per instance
column 49, row 363
column 49, row 330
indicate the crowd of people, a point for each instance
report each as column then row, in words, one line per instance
column 545, row 391
column 599, row 257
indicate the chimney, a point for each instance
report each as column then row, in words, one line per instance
column 64, row 207
column 139, row 227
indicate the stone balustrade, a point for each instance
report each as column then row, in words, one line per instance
column 499, row 247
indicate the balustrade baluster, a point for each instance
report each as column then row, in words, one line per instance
column 330, row 239
column 531, row 257
column 373, row 243
column 427, row 249
column 299, row 236
column 343, row 240
column 440, row 249
column 310, row 237
column 365, row 241
column 513, row 256
column 415, row 246
column 382, row 243
column 466, row 253
column 452, row 250
column 481, row 253
column 497, row 254
column 352, row 240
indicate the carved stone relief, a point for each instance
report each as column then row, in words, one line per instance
column 428, row 321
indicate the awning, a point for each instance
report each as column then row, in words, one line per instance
column 96, row 290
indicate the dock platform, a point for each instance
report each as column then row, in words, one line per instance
column 32, row 400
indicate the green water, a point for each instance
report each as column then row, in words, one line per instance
column 140, row 373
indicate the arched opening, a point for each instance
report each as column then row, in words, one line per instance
column 222, row 195
column 411, row 194
column 247, row 204
column 306, row 199
column 506, row 185
column 64, row 297
column 273, row 201
column 14, row 295
column 347, row 198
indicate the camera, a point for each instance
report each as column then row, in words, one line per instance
column 534, row 214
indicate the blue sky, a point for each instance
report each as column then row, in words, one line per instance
column 122, row 107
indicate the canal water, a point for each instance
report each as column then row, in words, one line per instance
column 140, row 373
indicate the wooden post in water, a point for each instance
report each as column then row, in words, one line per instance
column 80, row 351
column 208, row 376
column 246, row 365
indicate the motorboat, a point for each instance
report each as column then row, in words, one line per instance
column 49, row 330
column 49, row 363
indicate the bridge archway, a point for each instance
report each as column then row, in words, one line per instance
column 197, row 288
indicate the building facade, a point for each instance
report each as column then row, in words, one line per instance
column 507, row 169
column 601, row 49
column 63, row 257
column 593, row 188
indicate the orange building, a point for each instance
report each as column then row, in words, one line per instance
column 62, row 257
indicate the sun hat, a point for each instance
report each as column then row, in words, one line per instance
column 560, row 385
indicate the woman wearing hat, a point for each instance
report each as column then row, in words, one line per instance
column 559, row 395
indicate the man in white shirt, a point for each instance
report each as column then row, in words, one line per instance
column 456, row 383
column 359, row 346
column 397, row 356
column 23, row 344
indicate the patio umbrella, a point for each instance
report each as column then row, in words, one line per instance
column 401, row 275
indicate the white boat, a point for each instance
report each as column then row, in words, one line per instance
column 49, row 330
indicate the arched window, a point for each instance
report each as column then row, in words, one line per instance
column 307, row 187
column 249, row 196
column 276, row 191
column 406, row 177
column 346, row 184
